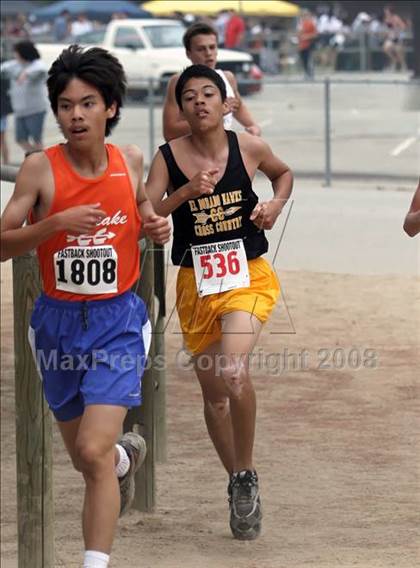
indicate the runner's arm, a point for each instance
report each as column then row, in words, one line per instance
column 242, row 114
column 17, row 239
column 412, row 219
column 153, row 225
column 174, row 126
column 158, row 183
column 265, row 214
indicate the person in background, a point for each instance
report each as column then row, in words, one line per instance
column 18, row 27
column 361, row 23
column 81, row 26
column 220, row 26
column 412, row 219
column 393, row 45
column 307, row 34
column 61, row 27
column 28, row 94
column 6, row 109
column 377, row 32
column 322, row 23
column 234, row 31
column 200, row 41
column 256, row 42
column 336, row 28
column 329, row 26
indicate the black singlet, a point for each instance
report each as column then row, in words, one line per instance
column 222, row 216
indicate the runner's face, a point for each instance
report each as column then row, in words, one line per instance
column 81, row 113
column 203, row 50
column 202, row 104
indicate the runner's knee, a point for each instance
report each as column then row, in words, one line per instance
column 237, row 380
column 90, row 458
column 218, row 408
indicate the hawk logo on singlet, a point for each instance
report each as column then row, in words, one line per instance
column 211, row 217
column 203, row 217
column 99, row 238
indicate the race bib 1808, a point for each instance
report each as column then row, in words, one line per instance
column 220, row 267
column 87, row 270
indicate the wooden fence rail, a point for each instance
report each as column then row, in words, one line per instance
column 33, row 430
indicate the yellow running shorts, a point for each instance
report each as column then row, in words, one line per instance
column 200, row 317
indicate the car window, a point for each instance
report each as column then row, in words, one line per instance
column 165, row 36
column 128, row 37
column 91, row 38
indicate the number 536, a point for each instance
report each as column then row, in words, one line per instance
column 218, row 264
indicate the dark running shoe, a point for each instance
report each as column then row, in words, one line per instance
column 135, row 446
column 245, row 505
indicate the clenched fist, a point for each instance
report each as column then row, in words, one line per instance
column 157, row 228
column 80, row 220
column 203, row 183
column 233, row 104
column 265, row 214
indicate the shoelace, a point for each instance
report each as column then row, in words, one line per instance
column 244, row 483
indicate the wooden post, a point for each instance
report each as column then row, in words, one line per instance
column 160, row 370
column 142, row 419
column 33, row 430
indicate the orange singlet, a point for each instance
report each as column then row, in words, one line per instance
column 104, row 263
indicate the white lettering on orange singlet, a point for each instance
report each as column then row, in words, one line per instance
column 117, row 219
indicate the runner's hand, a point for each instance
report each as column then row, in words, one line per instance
column 233, row 104
column 265, row 214
column 203, row 183
column 80, row 220
column 157, row 228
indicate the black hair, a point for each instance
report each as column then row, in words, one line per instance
column 95, row 66
column 26, row 50
column 198, row 71
column 199, row 28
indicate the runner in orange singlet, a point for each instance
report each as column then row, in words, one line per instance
column 89, row 332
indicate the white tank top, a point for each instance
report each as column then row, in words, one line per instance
column 228, row 118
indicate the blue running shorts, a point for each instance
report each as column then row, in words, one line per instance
column 91, row 352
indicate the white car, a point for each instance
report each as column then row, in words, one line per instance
column 153, row 49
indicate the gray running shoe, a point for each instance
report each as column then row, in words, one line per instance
column 245, row 505
column 135, row 446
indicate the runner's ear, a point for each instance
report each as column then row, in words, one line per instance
column 110, row 112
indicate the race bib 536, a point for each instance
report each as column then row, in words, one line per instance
column 220, row 267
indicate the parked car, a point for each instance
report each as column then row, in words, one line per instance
column 153, row 49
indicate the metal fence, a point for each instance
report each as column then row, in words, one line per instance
column 330, row 127
column 346, row 51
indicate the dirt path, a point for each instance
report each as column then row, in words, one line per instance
column 336, row 448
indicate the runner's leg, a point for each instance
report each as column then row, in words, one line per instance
column 216, row 405
column 240, row 331
column 91, row 443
